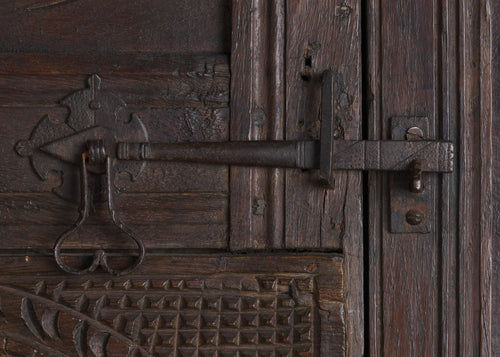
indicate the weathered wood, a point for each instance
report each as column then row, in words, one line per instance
column 314, row 219
column 326, row 36
column 257, row 102
column 495, row 68
column 475, row 214
column 96, row 26
column 418, row 283
column 183, row 220
column 143, row 90
column 258, row 305
column 404, row 283
column 171, row 64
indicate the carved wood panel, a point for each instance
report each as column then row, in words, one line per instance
column 235, row 306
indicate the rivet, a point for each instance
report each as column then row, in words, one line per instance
column 24, row 148
column 343, row 11
column 414, row 133
column 94, row 105
column 414, row 217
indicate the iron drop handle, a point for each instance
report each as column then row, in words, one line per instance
column 96, row 154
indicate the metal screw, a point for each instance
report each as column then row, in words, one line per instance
column 414, row 133
column 414, row 217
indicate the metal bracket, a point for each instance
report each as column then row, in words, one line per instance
column 86, row 143
column 411, row 208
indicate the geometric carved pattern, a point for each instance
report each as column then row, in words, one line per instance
column 188, row 315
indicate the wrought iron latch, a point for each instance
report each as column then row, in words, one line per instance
column 327, row 154
column 100, row 138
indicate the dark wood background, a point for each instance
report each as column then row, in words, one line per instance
column 496, row 176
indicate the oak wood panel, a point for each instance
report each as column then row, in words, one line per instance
column 46, row 208
column 409, row 262
column 191, row 95
column 475, row 206
column 173, row 64
column 133, row 26
column 328, row 37
column 158, row 238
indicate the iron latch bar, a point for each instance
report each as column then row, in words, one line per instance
column 327, row 154
column 434, row 156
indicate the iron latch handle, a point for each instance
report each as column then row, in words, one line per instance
column 327, row 154
column 434, row 156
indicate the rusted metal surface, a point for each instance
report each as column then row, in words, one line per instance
column 88, row 138
column 94, row 114
column 105, row 144
column 411, row 194
column 328, row 154
column 298, row 154
column 97, row 154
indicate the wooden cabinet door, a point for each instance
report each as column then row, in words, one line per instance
column 242, row 261
column 239, row 261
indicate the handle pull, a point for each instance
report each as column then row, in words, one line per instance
column 96, row 154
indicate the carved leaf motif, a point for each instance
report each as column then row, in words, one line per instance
column 29, row 316
column 47, row 326
column 119, row 323
column 40, row 288
column 100, row 303
column 133, row 352
column 50, row 323
column 139, row 323
column 98, row 344
column 80, row 338
column 42, row 5
column 82, row 304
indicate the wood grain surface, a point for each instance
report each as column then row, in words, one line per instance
column 103, row 27
column 495, row 73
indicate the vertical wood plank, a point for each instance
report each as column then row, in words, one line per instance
column 325, row 35
column 257, row 94
column 475, row 214
column 495, row 72
column 448, row 199
column 486, row 203
column 418, row 283
column 410, row 261
column 408, row 73
column 321, row 35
